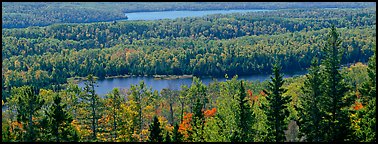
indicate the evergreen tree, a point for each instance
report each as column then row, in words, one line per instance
column 244, row 119
column 276, row 108
column 29, row 102
column 60, row 120
column 334, row 90
column 91, row 101
column 309, row 112
column 367, row 131
column 155, row 131
column 177, row 136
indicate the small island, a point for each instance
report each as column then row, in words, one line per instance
column 169, row 77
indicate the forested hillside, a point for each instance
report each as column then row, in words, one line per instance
column 217, row 112
column 216, row 45
column 334, row 102
column 25, row 14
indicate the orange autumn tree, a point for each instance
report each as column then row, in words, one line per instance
column 210, row 113
column 255, row 98
column 357, row 104
column 185, row 127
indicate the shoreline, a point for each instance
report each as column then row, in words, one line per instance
column 76, row 80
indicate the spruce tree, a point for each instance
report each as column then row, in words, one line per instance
column 60, row 120
column 334, row 90
column 245, row 117
column 155, row 131
column 309, row 112
column 276, row 107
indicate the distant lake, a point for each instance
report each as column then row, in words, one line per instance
column 107, row 85
column 181, row 14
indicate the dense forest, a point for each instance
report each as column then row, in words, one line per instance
column 214, row 45
column 334, row 102
column 20, row 15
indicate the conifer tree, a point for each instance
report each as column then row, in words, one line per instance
column 91, row 101
column 155, row 131
column 309, row 111
column 276, row 108
column 245, row 117
column 60, row 120
column 334, row 90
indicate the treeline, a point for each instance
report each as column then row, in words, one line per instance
column 25, row 14
column 339, row 103
column 213, row 27
column 158, row 6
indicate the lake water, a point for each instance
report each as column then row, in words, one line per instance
column 106, row 85
column 180, row 14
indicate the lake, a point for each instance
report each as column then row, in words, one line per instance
column 106, row 85
column 180, row 14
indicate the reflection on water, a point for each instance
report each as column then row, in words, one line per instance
column 106, row 85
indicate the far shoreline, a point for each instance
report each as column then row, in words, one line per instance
column 77, row 80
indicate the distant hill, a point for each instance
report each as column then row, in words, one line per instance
column 25, row 14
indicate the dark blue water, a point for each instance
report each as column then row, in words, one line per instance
column 180, row 14
column 106, row 85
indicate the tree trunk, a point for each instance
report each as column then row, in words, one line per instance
column 171, row 113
